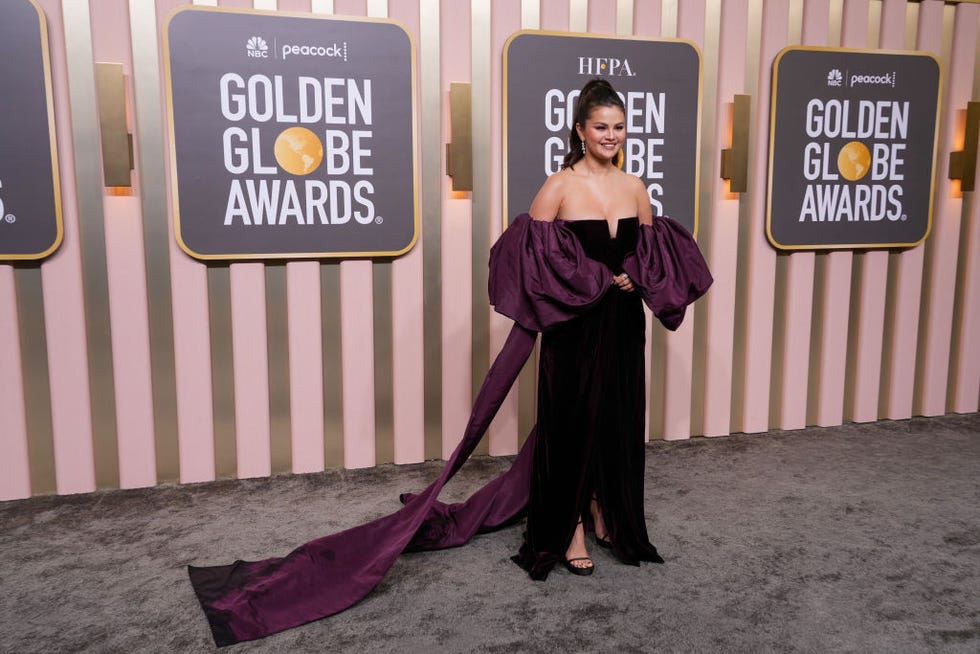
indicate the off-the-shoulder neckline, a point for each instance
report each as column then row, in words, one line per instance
column 612, row 234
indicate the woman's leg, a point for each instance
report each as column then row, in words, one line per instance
column 577, row 555
column 598, row 524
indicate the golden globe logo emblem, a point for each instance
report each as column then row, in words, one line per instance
column 298, row 151
column 854, row 161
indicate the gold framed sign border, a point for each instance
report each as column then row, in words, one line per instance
column 772, row 148
column 172, row 151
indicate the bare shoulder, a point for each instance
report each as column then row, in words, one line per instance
column 548, row 201
column 638, row 190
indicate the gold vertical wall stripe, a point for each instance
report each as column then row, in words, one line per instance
column 578, row 15
column 710, row 149
column 530, row 14
column 527, row 381
column 384, row 381
column 431, row 108
column 156, row 238
column 277, row 346
column 277, row 350
column 624, row 17
column 331, row 341
column 818, row 318
column 874, row 23
column 778, row 338
column 222, row 371
column 911, row 28
column 668, row 21
column 333, row 388
column 481, row 99
column 37, row 384
column 88, row 185
column 746, row 226
column 836, row 27
column 795, row 24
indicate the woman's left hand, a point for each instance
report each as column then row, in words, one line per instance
column 624, row 282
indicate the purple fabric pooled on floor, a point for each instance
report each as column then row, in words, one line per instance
column 252, row 599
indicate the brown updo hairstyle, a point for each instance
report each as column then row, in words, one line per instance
column 595, row 93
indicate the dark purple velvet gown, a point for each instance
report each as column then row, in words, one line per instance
column 543, row 278
column 590, row 418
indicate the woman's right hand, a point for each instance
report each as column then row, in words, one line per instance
column 624, row 282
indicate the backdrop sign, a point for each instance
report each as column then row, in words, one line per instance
column 30, row 196
column 291, row 136
column 852, row 148
column 660, row 83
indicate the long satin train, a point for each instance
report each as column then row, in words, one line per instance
column 253, row 599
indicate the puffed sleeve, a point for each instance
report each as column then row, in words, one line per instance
column 540, row 276
column 668, row 270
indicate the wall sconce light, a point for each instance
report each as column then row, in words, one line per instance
column 459, row 150
column 117, row 142
column 963, row 163
column 735, row 160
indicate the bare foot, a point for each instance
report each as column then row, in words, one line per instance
column 576, row 550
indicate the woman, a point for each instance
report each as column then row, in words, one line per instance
column 570, row 275
column 588, row 458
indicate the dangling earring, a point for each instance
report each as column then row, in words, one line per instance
column 583, row 147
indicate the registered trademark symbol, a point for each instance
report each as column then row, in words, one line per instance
column 905, row 216
column 10, row 218
column 378, row 220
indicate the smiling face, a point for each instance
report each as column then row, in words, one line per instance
column 604, row 132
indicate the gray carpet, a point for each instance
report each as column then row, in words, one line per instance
column 861, row 538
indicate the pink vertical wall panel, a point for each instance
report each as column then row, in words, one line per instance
column 249, row 349
column 350, row 7
column 647, row 17
column 129, row 320
column 834, row 269
column 357, row 336
column 305, row 365
column 406, row 289
column 935, row 328
column 799, row 272
column 15, row 472
column 720, row 234
column 64, row 311
column 554, row 14
column 761, row 264
column 904, row 307
column 602, row 16
column 871, row 270
column 126, row 275
column 192, row 345
column 505, row 20
column 305, row 348
column 679, row 345
column 457, row 226
column 357, row 362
